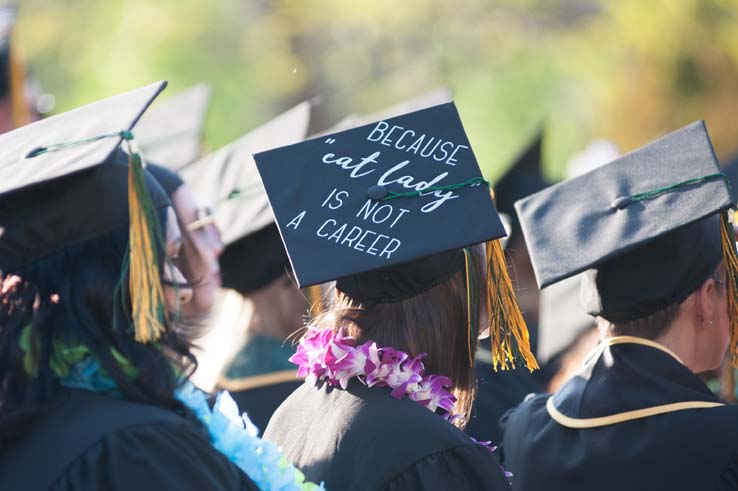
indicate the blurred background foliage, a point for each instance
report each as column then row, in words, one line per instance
column 624, row 70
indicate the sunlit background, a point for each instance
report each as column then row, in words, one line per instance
column 624, row 70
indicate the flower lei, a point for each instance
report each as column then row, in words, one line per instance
column 335, row 359
column 236, row 437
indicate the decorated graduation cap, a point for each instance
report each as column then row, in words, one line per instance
column 647, row 229
column 389, row 209
column 64, row 180
column 228, row 181
column 170, row 134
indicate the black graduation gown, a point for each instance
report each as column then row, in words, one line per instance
column 261, row 377
column 93, row 442
column 686, row 449
column 497, row 392
column 362, row 439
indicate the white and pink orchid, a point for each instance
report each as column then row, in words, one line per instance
column 336, row 359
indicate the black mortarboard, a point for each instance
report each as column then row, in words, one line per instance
column 327, row 190
column 522, row 179
column 229, row 181
column 384, row 208
column 644, row 227
column 170, row 134
column 64, row 180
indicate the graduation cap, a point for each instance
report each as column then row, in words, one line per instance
column 644, row 228
column 64, row 180
column 522, row 179
column 229, row 181
column 389, row 209
column 170, row 134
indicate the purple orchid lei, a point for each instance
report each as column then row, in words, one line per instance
column 336, row 359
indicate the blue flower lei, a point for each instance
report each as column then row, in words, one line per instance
column 236, row 437
column 231, row 433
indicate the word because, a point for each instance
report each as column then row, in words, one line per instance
column 408, row 141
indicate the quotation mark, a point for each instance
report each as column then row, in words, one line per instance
column 330, row 140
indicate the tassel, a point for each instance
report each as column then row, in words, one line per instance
column 730, row 257
column 147, row 293
column 471, row 302
column 508, row 332
column 315, row 297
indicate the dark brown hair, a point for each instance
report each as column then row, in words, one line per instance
column 649, row 327
column 434, row 322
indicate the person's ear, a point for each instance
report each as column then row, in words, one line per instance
column 705, row 303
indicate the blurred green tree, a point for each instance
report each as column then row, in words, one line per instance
column 624, row 70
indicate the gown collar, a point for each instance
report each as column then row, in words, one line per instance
column 627, row 378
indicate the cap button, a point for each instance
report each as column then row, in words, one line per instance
column 621, row 203
column 377, row 192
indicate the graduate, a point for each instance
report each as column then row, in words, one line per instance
column 652, row 234
column 94, row 392
column 255, row 266
column 389, row 367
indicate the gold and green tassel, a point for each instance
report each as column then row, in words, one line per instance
column 508, row 332
column 147, row 294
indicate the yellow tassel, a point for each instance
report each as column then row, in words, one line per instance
column 315, row 297
column 147, row 293
column 730, row 257
column 508, row 332
column 19, row 105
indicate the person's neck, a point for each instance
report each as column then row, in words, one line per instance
column 680, row 338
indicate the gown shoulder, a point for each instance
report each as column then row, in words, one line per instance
column 158, row 456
